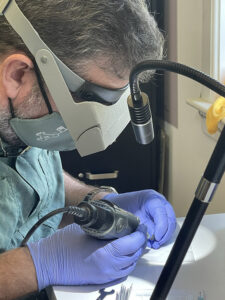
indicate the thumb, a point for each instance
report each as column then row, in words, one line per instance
column 131, row 243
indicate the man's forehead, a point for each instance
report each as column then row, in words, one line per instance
column 94, row 73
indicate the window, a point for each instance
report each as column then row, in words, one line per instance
column 213, row 43
column 213, row 55
column 222, row 41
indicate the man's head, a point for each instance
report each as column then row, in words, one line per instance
column 116, row 34
column 100, row 40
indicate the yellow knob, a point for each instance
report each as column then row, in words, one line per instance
column 215, row 113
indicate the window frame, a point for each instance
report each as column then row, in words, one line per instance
column 213, row 43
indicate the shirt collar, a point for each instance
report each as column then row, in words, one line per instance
column 7, row 150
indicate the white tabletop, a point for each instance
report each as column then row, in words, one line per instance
column 202, row 272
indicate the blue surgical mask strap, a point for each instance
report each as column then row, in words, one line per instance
column 11, row 108
column 41, row 86
column 43, row 92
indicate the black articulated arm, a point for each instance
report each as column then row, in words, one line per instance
column 208, row 183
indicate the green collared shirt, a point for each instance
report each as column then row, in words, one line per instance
column 31, row 185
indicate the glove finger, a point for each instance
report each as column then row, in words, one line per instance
column 129, row 244
column 125, row 262
column 150, row 230
column 171, row 226
column 166, row 237
column 171, row 221
column 170, row 211
column 161, row 222
column 125, row 272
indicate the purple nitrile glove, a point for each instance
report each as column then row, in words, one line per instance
column 71, row 257
column 153, row 210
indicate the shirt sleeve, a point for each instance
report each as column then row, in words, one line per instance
column 8, row 212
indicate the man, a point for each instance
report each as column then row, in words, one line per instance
column 100, row 41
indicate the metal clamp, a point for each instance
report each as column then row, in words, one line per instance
column 205, row 190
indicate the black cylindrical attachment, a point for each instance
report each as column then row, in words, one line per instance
column 88, row 215
column 141, row 119
column 179, row 250
column 99, row 217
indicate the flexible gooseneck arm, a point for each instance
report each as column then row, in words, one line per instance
column 204, row 193
column 207, row 185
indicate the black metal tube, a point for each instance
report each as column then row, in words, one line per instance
column 216, row 165
column 213, row 173
column 175, row 67
column 179, row 250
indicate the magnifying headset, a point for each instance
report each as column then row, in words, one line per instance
column 92, row 124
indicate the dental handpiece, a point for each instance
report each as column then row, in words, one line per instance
column 105, row 220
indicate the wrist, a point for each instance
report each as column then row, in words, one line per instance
column 44, row 259
column 100, row 193
column 30, row 262
column 17, row 274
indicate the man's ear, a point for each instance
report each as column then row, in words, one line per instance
column 16, row 72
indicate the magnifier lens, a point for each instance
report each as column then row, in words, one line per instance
column 92, row 92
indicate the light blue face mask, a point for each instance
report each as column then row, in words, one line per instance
column 48, row 132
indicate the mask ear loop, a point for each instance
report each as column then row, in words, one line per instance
column 22, row 148
column 41, row 86
column 11, row 108
column 43, row 92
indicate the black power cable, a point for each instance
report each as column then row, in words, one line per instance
column 73, row 210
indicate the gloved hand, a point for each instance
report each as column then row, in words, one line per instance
column 71, row 257
column 153, row 210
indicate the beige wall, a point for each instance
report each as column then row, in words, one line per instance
column 188, row 148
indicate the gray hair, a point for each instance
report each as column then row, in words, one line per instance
column 122, row 32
